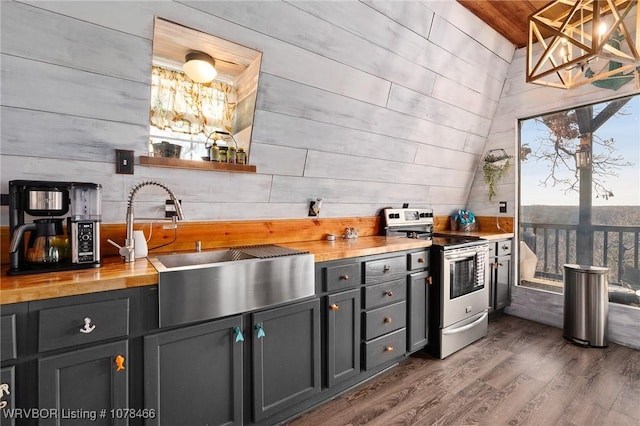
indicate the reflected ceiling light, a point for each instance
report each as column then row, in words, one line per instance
column 199, row 67
column 584, row 41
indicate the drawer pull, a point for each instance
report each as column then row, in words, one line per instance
column 386, row 268
column 334, row 307
column 88, row 327
column 238, row 333
column 261, row 332
column 387, row 320
column 388, row 348
column 119, row 363
column 4, row 390
column 344, row 277
column 421, row 260
column 389, row 293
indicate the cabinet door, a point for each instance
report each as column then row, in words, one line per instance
column 418, row 312
column 286, row 357
column 7, row 395
column 503, row 283
column 343, row 336
column 85, row 382
column 193, row 375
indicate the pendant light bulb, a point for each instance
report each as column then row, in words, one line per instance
column 199, row 67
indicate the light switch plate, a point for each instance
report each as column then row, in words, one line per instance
column 124, row 161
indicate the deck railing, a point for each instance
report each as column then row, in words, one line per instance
column 555, row 245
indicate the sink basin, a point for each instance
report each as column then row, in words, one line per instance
column 172, row 261
column 206, row 285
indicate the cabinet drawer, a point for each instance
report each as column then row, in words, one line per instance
column 418, row 260
column 8, row 342
column 377, row 271
column 384, row 320
column 341, row 276
column 504, row 247
column 79, row 324
column 385, row 293
column 384, row 349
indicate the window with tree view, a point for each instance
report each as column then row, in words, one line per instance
column 580, row 196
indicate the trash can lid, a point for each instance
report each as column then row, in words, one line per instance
column 587, row 268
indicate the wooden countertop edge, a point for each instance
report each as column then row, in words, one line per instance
column 116, row 275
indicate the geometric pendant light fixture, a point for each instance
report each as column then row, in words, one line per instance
column 199, row 67
column 575, row 42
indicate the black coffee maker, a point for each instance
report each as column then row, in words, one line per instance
column 62, row 220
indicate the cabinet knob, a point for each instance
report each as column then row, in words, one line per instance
column 421, row 260
column 238, row 333
column 261, row 332
column 505, row 247
column 344, row 277
column 119, row 361
column 388, row 348
column 334, row 307
column 386, row 268
column 88, row 327
column 4, row 390
column 389, row 293
column 387, row 320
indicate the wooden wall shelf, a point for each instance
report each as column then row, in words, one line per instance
column 196, row 165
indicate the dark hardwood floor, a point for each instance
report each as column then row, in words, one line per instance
column 522, row 373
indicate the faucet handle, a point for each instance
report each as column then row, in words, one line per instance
column 124, row 251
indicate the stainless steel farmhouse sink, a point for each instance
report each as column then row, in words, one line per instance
column 211, row 284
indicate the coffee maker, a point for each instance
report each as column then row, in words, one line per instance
column 63, row 223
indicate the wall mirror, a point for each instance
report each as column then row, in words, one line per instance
column 186, row 117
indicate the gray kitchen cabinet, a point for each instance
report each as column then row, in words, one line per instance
column 285, row 357
column 12, row 334
column 342, row 336
column 385, row 309
column 500, row 274
column 418, row 310
column 77, row 362
column 7, row 394
column 86, row 382
column 193, row 375
column 418, row 282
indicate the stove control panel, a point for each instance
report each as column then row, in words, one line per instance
column 398, row 217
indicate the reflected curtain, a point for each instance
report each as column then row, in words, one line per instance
column 179, row 104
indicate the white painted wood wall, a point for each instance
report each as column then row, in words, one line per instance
column 365, row 104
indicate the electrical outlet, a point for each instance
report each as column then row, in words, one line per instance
column 170, row 208
column 124, row 161
column 503, row 206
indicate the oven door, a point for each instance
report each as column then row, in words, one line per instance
column 465, row 279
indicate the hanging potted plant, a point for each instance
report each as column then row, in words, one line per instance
column 496, row 165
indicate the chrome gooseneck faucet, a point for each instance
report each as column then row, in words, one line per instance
column 128, row 250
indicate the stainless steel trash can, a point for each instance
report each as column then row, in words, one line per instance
column 586, row 305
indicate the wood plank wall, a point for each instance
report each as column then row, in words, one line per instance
column 364, row 104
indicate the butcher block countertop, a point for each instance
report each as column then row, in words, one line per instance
column 114, row 274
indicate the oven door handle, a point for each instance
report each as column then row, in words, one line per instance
column 466, row 327
column 467, row 254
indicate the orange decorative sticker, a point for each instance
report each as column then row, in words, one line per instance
column 119, row 363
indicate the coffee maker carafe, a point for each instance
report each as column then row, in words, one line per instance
column 42, row 209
